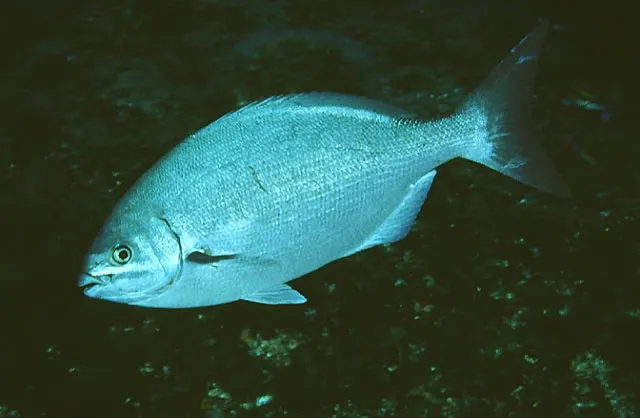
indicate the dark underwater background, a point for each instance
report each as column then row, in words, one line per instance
column 502, row 302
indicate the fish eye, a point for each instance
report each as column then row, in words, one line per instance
column 121, row 254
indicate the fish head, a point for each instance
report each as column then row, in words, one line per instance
column 132, row 260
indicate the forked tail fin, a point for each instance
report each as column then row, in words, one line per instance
column 501, row 108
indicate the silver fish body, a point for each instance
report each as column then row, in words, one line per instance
column 282, row 187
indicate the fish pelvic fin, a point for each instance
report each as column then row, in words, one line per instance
column 500, row 113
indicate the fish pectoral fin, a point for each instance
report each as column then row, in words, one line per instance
column 202, row 257
column 399, row 222
column 278, row 295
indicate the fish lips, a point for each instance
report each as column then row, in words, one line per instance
column 90, row 284
column 100, row 287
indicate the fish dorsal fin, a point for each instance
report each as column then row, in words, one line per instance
column 281, row 294
column 399, row 223
column 322, row 101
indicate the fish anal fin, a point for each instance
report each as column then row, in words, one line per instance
column 399, row 223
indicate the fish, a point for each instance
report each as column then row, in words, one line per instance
column 281, row 187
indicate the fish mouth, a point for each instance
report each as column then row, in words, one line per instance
column 89, row 284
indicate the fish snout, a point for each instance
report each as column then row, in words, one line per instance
column 88, row 283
